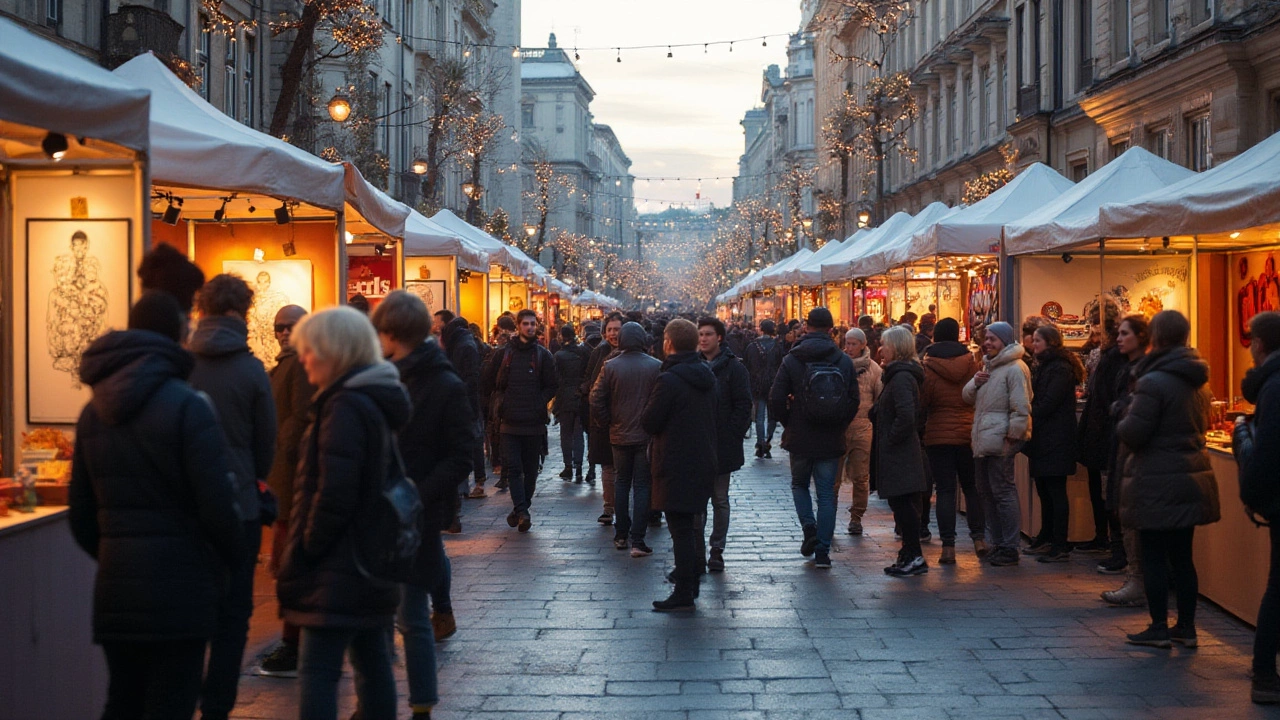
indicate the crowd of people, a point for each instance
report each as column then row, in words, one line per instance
column 189, row 448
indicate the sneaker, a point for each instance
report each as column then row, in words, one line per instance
column 1003, row 557
column 566, row 474
column 620, row 543
column 1096, row 546
column 513, row 519
column 1113, row 566
column 639, row 550
column 443, row 626
column 1131, row 594
column 810, row 542
column 577, row 476
column 822, row 560
column 477, row 493
column 908, row 568
column 1037, row 548
column 1184, row 636
column 525, row 522
column 502, row 484
column 605, row 519
column 768, row 455
column 1266, row 689
column 715, row 563
column 925, row 535
column 1055, row 556
column 855, row 527
column 1153, row 636
column 759, row 451
column 590, row 479
column 282, row 662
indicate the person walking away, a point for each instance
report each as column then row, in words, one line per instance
column 345, row 454
column 924, row 338
column 733, row 419
column 436, row 444
column 1256, row 443
column 464, row 354
column 1168, row 487
column 504, row 330
column 763, row 358
column 599, row 449
column 898, row 417
column 617, row 401
column 815, row 397
column 153, row 501
column 228, row 373
column 1093, row 441
column 1001, row 396
column 571, row 366
column 680, row 417
column 292, row 394
column 948, row 429
column 855, row 467
column 1051, row 449
column 521, row 380
column 1132, row 339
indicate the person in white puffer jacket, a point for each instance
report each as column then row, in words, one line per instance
column 1001, row 396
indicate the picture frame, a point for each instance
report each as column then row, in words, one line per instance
column 78, row 288
column 435, row 293
column 275, row 284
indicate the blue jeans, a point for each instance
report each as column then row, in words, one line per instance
column 631, row 462
column 762, row 414
column 572, row 440
column 413, row 619
column 520, row 457
column 440, row 594
column 320, row 668
column 823, row 475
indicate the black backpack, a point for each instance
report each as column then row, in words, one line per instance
column 824, row 396
column 389, row 530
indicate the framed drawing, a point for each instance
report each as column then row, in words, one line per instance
column 433, row 292
column 77, row 289
column 275, row 283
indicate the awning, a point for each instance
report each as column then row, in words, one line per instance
column 373, row 205
column 517, row 263
column 772, row 275
column 840, row 267
column 891, row 250
column 422, row 237
column 809, row 272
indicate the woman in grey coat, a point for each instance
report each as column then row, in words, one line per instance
column 1168, row 486
column 899, row 421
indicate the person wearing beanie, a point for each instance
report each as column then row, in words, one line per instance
column 1001, row 396
column 160, row 312
column 166, row 269
column 925, row 336
column 763, row 358
column 571, row 366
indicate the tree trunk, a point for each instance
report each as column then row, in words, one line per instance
column 292, row 70
column 430, row 188
column 473, row 202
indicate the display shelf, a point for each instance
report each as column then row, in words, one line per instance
column 16, row 522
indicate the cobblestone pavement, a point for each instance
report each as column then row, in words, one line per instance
column 556, row 624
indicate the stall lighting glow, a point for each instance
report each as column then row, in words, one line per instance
column 1235, row 235
column 258, row 255
column 390, row 244
column 54, row 145
column 350, row 237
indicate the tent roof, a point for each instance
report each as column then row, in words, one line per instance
column 975, row 230
column 45, row 86
column 737, row 288
column 422, row 237
column 772, row 276
column 373, row 205
column 809, row 272
column 1071, row 219
column 840, row 266
column 499, row 253
column 194, row 145
column 892, row 248
column 1242, row 193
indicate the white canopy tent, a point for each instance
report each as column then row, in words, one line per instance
column 892, row 247
column 1072, row 218
column 809, row 272
column 840, row 267
column 422, row 237
column 1242, row 193
column 736, row 290
column 373, row 205
column 772, row 277
column 516, row 262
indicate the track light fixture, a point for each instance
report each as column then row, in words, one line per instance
column 1067, row 258
column 173, row 212
column 282, row 214
column 252, row 207
column 221, row 213
column 390, row 244
column 54, row 145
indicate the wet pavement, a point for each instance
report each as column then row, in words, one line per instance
column 557, row 624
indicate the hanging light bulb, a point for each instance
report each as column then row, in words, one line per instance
column 515, row 52
column 575, row 54
column 730, row 47
column 466, row 52
column 619, row 54
column 668, row 51
column 764, row 42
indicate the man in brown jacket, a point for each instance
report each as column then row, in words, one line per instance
column 948, row 365
column 856, row 464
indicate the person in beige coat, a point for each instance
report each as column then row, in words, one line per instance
column 855, row 467
column 1001, row 396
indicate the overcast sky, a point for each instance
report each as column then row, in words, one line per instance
column 678, row 116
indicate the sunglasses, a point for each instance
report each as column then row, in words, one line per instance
column 284, row 328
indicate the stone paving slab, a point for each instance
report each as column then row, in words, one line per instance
column 556, row 624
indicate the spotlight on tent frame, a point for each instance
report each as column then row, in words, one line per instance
column 54, row 145
column 173, row 212
column 282, row 214
column 221, row 213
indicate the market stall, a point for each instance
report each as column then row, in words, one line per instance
column 74, row 162
column 807, row 276
column 791, row 302
column 507, row 286
column 444, row 268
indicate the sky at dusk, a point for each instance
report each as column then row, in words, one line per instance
column 677, row 116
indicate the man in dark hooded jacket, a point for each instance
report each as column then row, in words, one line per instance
column 238, row 385
column 815, row 445
column 763, row 358
column 571, row 366
column 733, row 417
column 599, row 450
column 460, row 346
column 153, row 500
column 681, row 419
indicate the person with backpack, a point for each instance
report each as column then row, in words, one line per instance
column 763, row 358
column 1256, row 443
column 815, row 396
column 899, row 424
column 437, row 445
column 347, row 459
column 733, row 417
column 521, row 380
column 571, row 365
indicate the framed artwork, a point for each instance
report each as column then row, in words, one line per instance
column 77, row 289
column 275, row 283
column 433, row 292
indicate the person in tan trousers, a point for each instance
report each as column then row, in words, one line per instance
column 856, row 464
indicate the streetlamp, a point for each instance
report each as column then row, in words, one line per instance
column 419, row 166
column 864, row 219
column 340, row 107
column 530, row 230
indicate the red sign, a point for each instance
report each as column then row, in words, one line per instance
column 370, row 276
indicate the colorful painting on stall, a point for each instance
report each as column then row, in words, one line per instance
column 984, row 299
column 1257, row 289
column 77, row 289
column 372, row 276
column 432, row 293
column 275, row 283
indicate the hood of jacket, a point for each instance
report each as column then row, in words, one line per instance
column 863, row 361
column 904, row 366
column 126, row 367
column 689, row 366
column 1182, row 362
column 946, row 349
column 723, row 358
column 1255, row 378
column 816, row 346
column 633, row 337
column 219, row 335
column 1010, row 353
column 452, row 329
column 381, row 383
column 953, row 369
column 426, row 358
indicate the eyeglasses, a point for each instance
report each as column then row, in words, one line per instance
column 284, row 328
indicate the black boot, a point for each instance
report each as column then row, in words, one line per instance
column 680, row 600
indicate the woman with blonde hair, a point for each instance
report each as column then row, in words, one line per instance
column 899, row 422
column 344, row 457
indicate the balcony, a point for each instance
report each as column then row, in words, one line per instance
column 135, row 29
column 1028, row 100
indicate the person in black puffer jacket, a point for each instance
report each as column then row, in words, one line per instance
column 571, row 366
column 436, row 445
column 464, row 354
column 680, row 416
column 733, row 418
column 153, row 500
column 1093, row 440
column 898, row 418
column 1051, row 449
column 345, row 455
column 763, row 358
column 237, row 383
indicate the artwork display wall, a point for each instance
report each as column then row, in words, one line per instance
column 433, row 292
column 275, row 283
